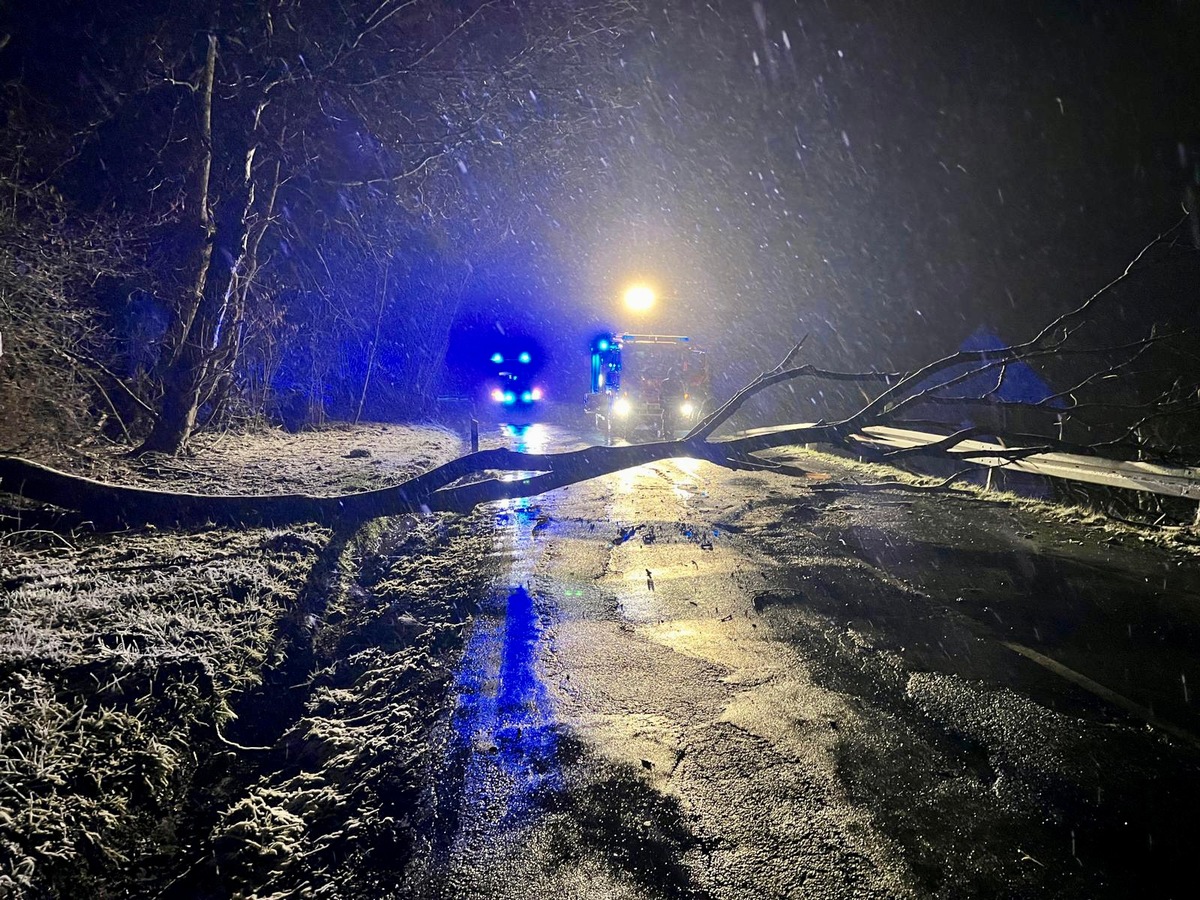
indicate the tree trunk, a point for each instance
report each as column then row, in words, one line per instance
column 374, row 349
column 189, row 379
column 204, row 348
column 178, row 410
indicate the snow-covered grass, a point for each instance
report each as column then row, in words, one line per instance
column 124, row 659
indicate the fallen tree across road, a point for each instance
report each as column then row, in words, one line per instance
column 967, row 383
column 445, row 488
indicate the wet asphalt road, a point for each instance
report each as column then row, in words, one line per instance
column 701, row 683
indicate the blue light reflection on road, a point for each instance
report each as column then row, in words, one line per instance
column 523, row 726
column 504, row 737
column 504, row 722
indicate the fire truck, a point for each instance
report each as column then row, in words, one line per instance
column 511, row 386
column 647, row 385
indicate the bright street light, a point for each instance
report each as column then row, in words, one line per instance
column 639, row 298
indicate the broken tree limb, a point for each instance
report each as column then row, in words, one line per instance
column 110, row 505
column 444, row 488
column 1048, row 340
column 475, row 478
column 779, row 374
column 730, row 406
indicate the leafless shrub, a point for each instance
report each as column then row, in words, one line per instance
column 47, row 388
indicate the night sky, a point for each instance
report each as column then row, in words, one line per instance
column 886, row 177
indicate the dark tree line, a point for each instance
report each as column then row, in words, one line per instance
column 268, row 182
column 227, row 209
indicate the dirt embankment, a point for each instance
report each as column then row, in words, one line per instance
column 223, row 711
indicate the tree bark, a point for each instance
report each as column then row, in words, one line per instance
column 189, row 378
column 187, row 313
column 206, row 349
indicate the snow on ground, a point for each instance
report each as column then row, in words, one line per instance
column 222, row 709
column 246, row 711
column 328, row 461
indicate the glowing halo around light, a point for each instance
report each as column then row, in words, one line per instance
column 639, row 298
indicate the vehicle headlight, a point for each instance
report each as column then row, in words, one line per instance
column 498, row 395
column 526, row 396
column 536, row 393
column 621, row 406
column 686, row 408
column 510, row 398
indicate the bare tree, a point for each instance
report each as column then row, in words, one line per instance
column 370, row 325
column 238, row 126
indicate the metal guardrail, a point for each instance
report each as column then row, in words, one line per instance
column 1172, row 481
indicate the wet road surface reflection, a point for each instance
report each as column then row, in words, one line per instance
column 502, row 748
column 503, row 732
column 532, row 799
